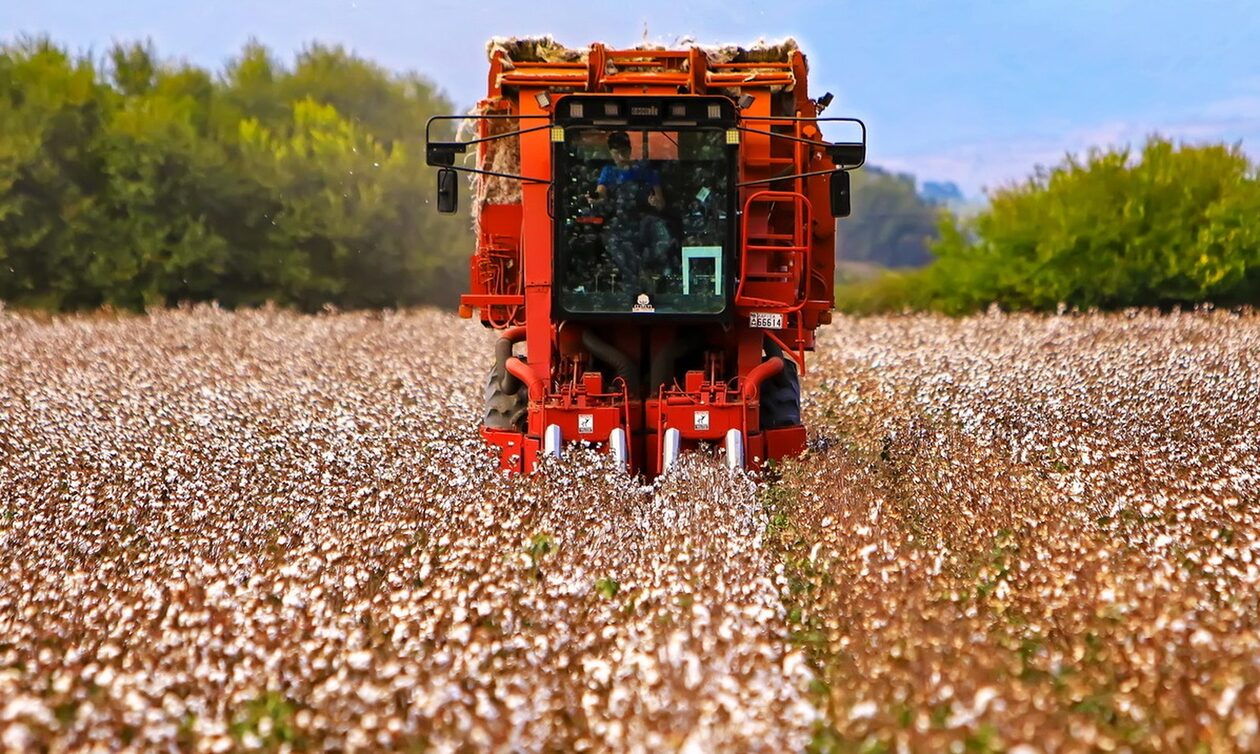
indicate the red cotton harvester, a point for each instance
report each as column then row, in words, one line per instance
column 655, row 230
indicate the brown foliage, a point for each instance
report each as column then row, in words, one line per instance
column 1035, row 531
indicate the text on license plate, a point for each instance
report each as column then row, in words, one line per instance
column 766, row 319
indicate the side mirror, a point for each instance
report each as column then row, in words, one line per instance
column 447, row 191
column 841, row 194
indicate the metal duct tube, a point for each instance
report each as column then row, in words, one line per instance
column 621, row 363
column 503, row 351
column 666, row 360
column 759, row 374
column 522, row 371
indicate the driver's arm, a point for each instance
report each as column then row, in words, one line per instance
column 657, row 197
column 601, row 189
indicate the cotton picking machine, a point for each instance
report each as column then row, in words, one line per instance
column 655, row 242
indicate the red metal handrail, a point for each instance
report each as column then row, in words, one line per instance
column 803, row 217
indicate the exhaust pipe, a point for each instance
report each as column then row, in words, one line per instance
column 734, row 449
column 553, row 441
column 619, row 447
column 671, row 446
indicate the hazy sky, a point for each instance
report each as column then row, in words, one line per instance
column 971, row 91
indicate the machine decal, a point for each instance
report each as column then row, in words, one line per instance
column 643, row 304
column 702, row 421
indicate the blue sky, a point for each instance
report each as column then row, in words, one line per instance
column 975, row 92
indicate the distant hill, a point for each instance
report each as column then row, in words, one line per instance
column 943, row 193
column 892, row 223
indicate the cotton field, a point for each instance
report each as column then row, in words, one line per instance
column 1033, row 534
column 262, row 530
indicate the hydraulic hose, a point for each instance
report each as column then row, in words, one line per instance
column 621, row 363
column 759, row 374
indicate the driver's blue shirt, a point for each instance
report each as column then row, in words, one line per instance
column 640, row 173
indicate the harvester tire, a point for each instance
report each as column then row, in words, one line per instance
column 505, row 407
column 781, row 398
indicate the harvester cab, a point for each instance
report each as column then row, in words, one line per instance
column 655, row 242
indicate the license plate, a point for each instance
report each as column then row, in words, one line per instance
column 768, row 320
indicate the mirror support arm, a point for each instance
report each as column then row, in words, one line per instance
column 790, row 177
column 496, row 174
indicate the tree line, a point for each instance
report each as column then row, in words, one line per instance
column 131, row 181
column 1167, row 225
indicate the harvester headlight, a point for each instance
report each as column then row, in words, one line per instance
column 715, row 111
column 557, row 133
column 732, row 136
column 611, row 109
column 678, row 110
column 575, row 110
column 543, row 99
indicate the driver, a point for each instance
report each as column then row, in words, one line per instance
column 635, row 235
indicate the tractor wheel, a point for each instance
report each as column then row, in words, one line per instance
column 781, row 398
column 505, row 408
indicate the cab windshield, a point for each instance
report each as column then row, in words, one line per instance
column 644, row 224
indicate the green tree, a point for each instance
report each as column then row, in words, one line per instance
column 151, row 241
column 138, row 182
column 1111, row 230
column 1173, row 225
column 133, row 68
column 52, row 112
